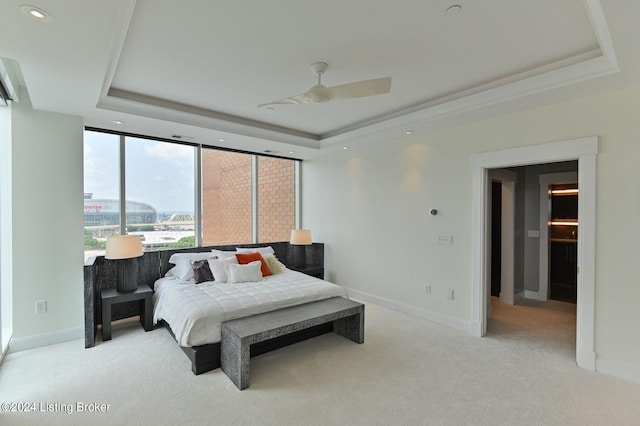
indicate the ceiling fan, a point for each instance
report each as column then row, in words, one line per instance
column 319, row 93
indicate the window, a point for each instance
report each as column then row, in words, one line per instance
column 101, row 190
column 6, row 232
column 226, row 197
column 276, row 199
column 244, row 198
column 160, row 193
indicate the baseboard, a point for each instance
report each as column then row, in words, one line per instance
column 46, row 339
column 528, row 294
column 446, row 320
column 618, row 369
column 586, row 359
column 5, row 352
column 475, row 328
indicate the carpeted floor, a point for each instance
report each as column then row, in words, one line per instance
column 408, row 372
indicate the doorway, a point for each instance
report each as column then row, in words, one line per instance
column 584, row 150
column 563, row 241
column 496, row 235
column 565, row 253
column 501, row 197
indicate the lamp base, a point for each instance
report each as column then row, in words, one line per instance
column 300, row 256
column 127, row 276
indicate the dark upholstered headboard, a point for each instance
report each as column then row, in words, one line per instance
column 100, row 274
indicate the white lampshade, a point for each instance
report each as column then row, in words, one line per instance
column 300, row 237
column 123, row 247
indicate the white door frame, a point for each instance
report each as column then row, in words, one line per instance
column 508, row 179
column 585, row 151
column 543, row 265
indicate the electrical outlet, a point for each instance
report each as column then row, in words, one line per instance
column 450, row 294
column 445, row 239
column 41, row 306
column 533, row 233
column 427, row 289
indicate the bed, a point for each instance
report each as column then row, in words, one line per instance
column 202, row 290
column 194, row 312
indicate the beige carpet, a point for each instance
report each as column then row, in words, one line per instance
column 409, row 372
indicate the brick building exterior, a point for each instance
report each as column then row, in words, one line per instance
column 226, row 190
column 276, row 199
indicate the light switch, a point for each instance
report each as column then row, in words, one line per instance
column 445, row 239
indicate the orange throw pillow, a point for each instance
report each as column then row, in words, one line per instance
column 244, row 258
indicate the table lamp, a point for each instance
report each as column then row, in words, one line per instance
column 124, row 249
column 300, row 238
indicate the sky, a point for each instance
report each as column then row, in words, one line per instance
column 157, row 173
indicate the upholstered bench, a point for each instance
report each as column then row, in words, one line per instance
column 238, row 335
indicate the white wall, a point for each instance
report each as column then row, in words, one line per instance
column 47, row 227
column 370, row 205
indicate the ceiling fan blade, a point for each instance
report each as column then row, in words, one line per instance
column 297, row 99
column 316, row 95
column 358, row 89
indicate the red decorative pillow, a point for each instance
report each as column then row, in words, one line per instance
column 244, row 258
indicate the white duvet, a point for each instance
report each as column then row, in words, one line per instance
column 195, row 312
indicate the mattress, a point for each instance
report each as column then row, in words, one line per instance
column 196, row 312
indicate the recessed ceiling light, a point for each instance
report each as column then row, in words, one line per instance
column 408, row 132
column 292, row 152
column 270, row 108
column 454, row 10
column 118, row 122
column 345, row 147
column 36, row 13
column 221, row 140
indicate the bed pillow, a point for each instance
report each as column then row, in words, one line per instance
column 201, row 271
column 176, row 257
column 183, row 270
column 261, row 250
column 249, row 272
column 222, row 254
column 274, row 264
column 220, row 268
column 245, row 258
column 170, row 273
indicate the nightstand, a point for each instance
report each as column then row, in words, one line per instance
column 111, row 297
column 313, row 270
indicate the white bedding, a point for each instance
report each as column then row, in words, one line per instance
column 195, row 312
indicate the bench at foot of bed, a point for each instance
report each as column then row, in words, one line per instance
column 337, row 314
column 207, row 357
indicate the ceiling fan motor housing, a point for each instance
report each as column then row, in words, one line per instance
column 318, row 94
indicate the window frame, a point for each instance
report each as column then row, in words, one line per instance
column 198, row 184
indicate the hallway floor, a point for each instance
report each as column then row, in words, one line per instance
column 548, row 326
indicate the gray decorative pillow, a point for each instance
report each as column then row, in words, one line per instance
column 201, row 271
